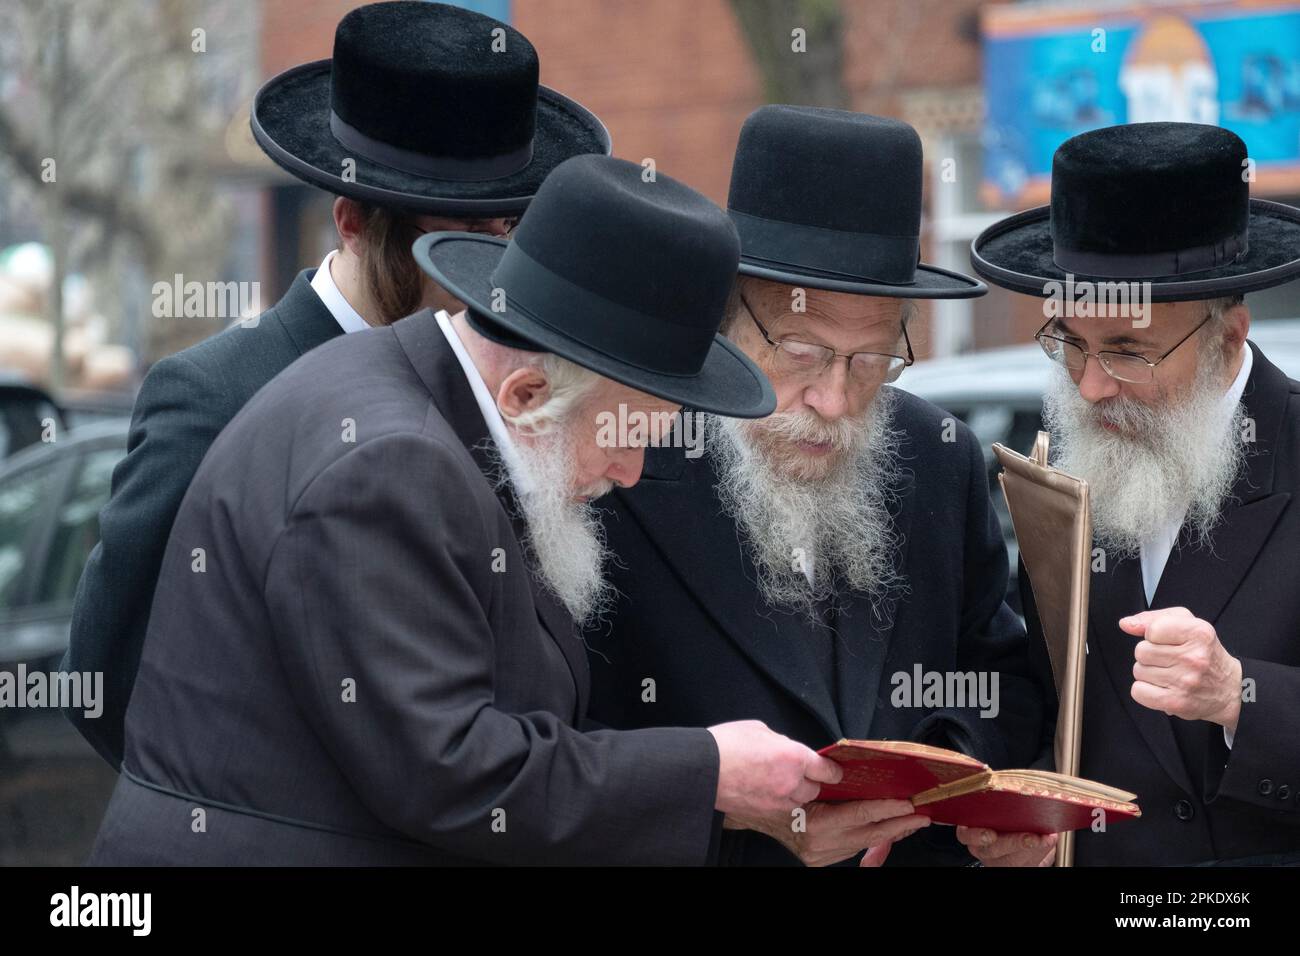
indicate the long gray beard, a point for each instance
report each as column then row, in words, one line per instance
column 565, row 543
column 1177, row 460
column 838, row 523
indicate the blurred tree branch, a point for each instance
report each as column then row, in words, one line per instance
column 122, row 99
column 811, row 78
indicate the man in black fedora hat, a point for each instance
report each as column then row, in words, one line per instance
column 427, row 117
column 804, row 562
column 380, row 664
column 1189, row 439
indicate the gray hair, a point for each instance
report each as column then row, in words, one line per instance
column 569, row 384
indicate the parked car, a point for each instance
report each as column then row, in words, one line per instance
column 998, row 393
column 24, row 411
column 50, row 498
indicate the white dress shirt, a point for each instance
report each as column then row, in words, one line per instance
column 348, row 318
column 487, row 405
column 1156, row 550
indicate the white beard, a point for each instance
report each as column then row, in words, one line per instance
column 1175, row 461
column 565, row 544
column 836, row 517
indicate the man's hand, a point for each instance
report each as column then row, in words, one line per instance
column 761, row 773
column 1008, row 849
column 1181, row 668
column 825, row 833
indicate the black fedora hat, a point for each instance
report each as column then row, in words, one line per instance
column 1165, row 203
column 832, row 199
column 625, row 277
column 439, row 108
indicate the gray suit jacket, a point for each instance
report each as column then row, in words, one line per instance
column 184, row 402
column 352, row 675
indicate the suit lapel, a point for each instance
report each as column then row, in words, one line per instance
column 1201, row 579
column 1204, row 579
column 1116, row 593
column 676, row 507
column 865, row 639
column 305, row 319
column 438, row 367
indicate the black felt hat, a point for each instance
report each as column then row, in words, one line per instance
column 438, row 107
column 625, row 277
column 832, row 200
column 1165, row 203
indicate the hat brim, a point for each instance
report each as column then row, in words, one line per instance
column 729, row 383
column 931, row 282
column 290, row 121
column 1016, row 253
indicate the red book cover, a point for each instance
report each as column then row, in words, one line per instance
column 953, row 788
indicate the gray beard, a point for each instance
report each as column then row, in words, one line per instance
column 1174, row 461
column 838, row 522
column 565, row 544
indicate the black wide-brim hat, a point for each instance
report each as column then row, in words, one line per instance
column 831, row 199
column 438, row 109
column 625, row 277
column 1165, row 203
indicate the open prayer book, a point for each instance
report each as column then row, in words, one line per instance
column 950, row 787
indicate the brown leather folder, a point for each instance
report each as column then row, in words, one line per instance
column 1053, row 525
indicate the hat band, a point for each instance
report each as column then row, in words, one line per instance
column 855, row 256
column 1152, row 265
column 611, row 328
column 434, row 167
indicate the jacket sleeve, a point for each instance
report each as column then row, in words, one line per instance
column 382, row 576
column 1261, row 767
column 177, row 415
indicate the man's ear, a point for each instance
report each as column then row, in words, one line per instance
column 523, row 390
column 1236, row 323
column 350, row 222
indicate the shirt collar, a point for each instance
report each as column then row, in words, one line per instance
column 348, row 318
column 487, row 405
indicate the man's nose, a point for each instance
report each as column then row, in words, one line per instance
column 626, row 467
column 1094, row 383
column 828, row 394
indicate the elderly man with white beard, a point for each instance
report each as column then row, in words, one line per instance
column 810, row 563
column 1189, row 439
column 363, row 647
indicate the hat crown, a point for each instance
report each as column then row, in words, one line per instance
column 421, row 77
column 651, row 245
column 829, row 168
column 1150, row 189
column 828, row 193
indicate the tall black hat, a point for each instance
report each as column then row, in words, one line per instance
column 1165, row 203
column 438, row 107
column 832, row 200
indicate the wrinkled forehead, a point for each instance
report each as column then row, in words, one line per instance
column 792, row 309
column 1166, row 324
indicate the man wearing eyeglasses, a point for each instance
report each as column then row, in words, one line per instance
column 809, row 566
column 1189, row 439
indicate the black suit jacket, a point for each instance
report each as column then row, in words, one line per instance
column 1201, row 801
column 366, row 671
column 691, row 619
column 184, row 401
